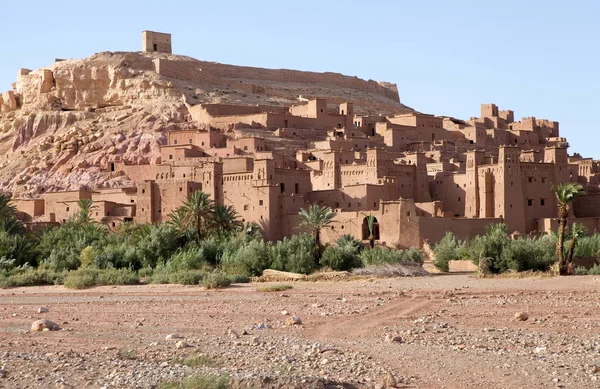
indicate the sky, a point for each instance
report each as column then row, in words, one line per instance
column 538, row 58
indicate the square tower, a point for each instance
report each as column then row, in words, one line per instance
column 156, row 42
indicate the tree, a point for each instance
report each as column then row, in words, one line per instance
column 371, row 225
column 197, row 212
column 86, row 206
column 577, row 231
column 315, row 218
column 7, row 210
column 225, row 219
column 565, row 193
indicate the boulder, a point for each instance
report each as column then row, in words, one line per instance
column 44, row 325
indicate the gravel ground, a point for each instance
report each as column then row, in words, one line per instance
column 443, row 331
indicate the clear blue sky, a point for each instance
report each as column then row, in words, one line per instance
column 539, row 58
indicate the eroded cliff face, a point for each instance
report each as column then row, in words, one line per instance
column 62, row 126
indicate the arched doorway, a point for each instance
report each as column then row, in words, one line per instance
column 365, row 229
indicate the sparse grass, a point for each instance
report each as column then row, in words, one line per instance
column 184, row 277
column 216, row 280
column 128, row 352
column 199, row 382
column 196, row 360
column 81, row 278
column 274, row 288
column 522, row 274
column 238, row 278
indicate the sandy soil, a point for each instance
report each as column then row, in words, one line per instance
column 452, row 331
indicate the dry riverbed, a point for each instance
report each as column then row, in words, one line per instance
column 443, row 331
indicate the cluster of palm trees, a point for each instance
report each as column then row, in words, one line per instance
column 200, row 214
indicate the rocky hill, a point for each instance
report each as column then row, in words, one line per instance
column 62, row 125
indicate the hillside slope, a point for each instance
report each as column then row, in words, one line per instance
column 62, row 125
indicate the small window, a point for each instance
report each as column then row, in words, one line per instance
column 530, row 179
column 175, row 142
column 245, row 147
column 282, row 188
column 296, row 188
column 170, row 156
column 543, row 180
column 143, row 190
column 67, row 209
column 375, row 204
column 542, row 202
column 180, row 189
column 337, row 205
column 202, row 143
column 190, row 140
column 260, row 202
column 408, row 213
column 529, row 202
column 246, row 207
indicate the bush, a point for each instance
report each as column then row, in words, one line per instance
column 581, row 271
column 380, row 256
column 343, row 256
column 28, row 276
column 189, row 258
column 446, row 250
column 238, row 279
column 61, row 247
column 588, row 246
column 527, row 254
column 594, row 270
column 216, row 280
column 162, row 275
column 250, row 259
column 117, row 277
column 296, row 254
column 81, row 278
column 274, row 288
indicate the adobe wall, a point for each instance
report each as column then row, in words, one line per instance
column 29, row 208
column 434, row 229
column 587, row 205
column 550, row 225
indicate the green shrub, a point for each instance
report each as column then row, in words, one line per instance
column 188, row 258
column 587, row 246
column 527, row 254
column 196, row 360
column 61, row 247
column 81, row 279
column 238, row 279
column 344, row 255
column 581, row 271
column 446, row 250
column 296, row 254
column 381, row 255
column 274, row 288
column 594, row 270
column 28, row 276
column 163, row 275
column 216, row 280
column 117, row 277
column 249, row 259
column 20, row 248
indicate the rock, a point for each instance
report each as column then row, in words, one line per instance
column 44, row 325
column 387, row 381
column 393, row 338
column 43, row 310
column 173, row 336
column 181, row 344
column 294, row 320
column 285, row 313
column 521, row 316
column 232, row 334
column 3, row 372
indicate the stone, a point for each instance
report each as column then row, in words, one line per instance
column 293, row 320
column 521, row 316
column 181, row 344
column 43, row 310
column 3, row 373
column 387, row 381
column 44, row 325
column 173, row 336
column 393, row 338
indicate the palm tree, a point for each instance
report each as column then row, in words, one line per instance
column 225, row 218
column 314, row 219
column 197, row 212
column 177, row 220
column 371, row 225
column 7, row 210
column 577, row 231
column 565, row 193
column 86, row 206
